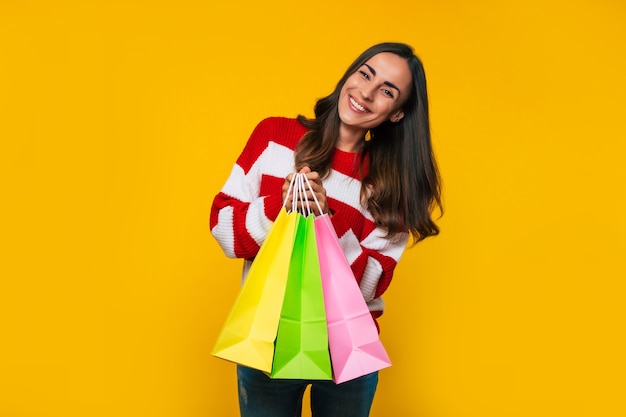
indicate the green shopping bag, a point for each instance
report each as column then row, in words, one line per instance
column 301, row 347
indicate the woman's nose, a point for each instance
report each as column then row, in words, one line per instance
column 367, row 92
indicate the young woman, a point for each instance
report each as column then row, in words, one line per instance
column 369, row 157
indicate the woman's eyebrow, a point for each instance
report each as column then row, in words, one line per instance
column 373, row 71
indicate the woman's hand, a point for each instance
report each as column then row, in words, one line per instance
column 318, row 189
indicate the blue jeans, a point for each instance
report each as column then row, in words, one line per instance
column 260, row 396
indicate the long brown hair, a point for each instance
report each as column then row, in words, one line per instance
column 403, row 186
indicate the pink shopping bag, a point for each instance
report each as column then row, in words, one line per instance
column 355, row 347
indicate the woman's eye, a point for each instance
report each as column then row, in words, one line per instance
column 388, row 93
column 365, row 75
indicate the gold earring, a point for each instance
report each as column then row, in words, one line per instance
column 368, row 136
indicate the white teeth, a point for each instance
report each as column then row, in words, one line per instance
column 357, row 105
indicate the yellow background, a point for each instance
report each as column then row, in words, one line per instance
column 121, row 120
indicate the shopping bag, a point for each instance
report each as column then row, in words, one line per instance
column 355, row 347
column 301, row 349
column 249, row 332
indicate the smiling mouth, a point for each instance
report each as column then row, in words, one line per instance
column 357, row 106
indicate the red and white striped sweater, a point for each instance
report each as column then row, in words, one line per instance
column 245, row 208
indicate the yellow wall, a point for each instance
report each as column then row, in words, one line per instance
column 119, row 123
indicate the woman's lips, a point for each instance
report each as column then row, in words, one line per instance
column 355, row 105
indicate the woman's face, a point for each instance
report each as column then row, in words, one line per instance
column 375, row 92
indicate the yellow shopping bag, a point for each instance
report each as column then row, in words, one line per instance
column 248, row 334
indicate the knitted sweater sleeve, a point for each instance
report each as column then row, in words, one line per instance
column 246, row 207
column 372, row 256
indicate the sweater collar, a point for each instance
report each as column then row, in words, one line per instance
column 348, row 163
